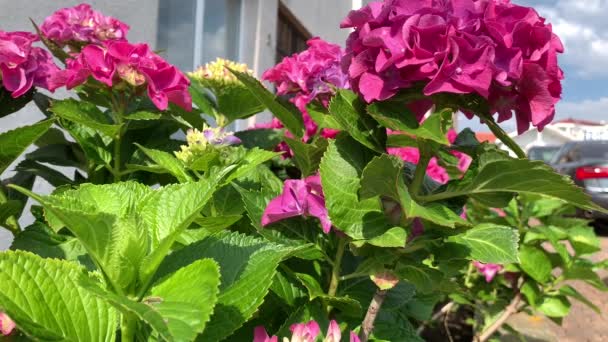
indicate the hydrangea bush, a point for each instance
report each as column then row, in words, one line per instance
column 357, row 212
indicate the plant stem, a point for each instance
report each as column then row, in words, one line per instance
column 335, row 271
column 503, row 136
column 420, row 173
column 127, row 328
column 370, row 317
column 119, row 110
column 443, row 311
column 511, row 309
column 467, row 278
column 12, row 225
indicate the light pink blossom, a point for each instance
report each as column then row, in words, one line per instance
column 305, row 332
column 6, row 324
column 489, row 271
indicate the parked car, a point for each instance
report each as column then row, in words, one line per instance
column 543, row 153
column 586, row 162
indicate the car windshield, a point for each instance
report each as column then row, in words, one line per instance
column 594, row 151
column 543, row 153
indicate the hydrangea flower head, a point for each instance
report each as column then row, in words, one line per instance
column 120, row 62
column 217, row 71
column 300, row 197
column 82, row 24
column 200, row 141
column 500, row 51
column 23, row 66
column 489, row 271
column 6, row 324
column 305, row 332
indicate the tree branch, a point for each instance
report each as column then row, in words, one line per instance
column 370, row 317
column 510, row 310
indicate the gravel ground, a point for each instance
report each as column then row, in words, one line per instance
column 582, row 325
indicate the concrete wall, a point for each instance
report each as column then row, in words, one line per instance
column 321, row 17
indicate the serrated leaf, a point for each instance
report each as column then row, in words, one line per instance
column 168, row 162
column 570, row 291
column 396, row 116
column 349, row 111
column 321, row 117
column 44, row 299
column 307, row 156
column 287, row 113
column 535, row 263
column 583, row 240
column 247, row 267
column 8, row 209
column 86, row 114
column 287, row 289
column 43, row 241
column 143, row 115
column 555, row 306
column 252, row 159
column 341, row 169
column 425, row 279
column 490, row 243
column 232, row 98
column 530, row 290
column 13, row 143
column 266, row 139
column 384, row 176
column 498, row 177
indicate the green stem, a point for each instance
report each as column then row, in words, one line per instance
column 12, row 225
column 420, row 173
column 503, row 136
column 119, row 110
column 335, row 271
column 467, row 278
column 127, row 328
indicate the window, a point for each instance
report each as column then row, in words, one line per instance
column 194, row 32
column 291, row 35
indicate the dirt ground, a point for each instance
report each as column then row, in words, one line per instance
column 582, row 325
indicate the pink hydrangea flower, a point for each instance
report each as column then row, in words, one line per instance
column 310, row 76
column 6, row 324
column 23, row 66
column 82, row 24
column 305, row 332
column 489, row 271
column 120, row 62
column 299, row 198
column 435, row 171
column 501, row 51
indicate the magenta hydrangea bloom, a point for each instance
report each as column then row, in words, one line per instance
column 308, row 76
column 6, row 324
column 489, row 271
column 82, row 24
column 305, row 332
column 435, row 171
column 134, row 64
column 299, row 198
column 501, row 51
column 23, row 66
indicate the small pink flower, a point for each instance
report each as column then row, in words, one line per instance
column 260, row 335
column 333, row 332
column 304, row 332
column 6, row 324
column 488, row 270
column 23, row 66
column 354, row 337
column 299, row 198
column 80, row 24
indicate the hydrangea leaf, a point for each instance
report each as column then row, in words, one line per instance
column 86, row 114
column 396, row 116
column 233, row 100
column 13, row 143
column 425, row 278
column 247, row 265
column 307, row 156
column 535, row 262
column 266, row 139
column 286, row 112
column 341, row 168
column 168, row 162
column 252, row 159
column 44, row 299
column 349, row 111
column 490, row 243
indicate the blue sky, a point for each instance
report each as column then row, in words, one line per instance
column 583, row 27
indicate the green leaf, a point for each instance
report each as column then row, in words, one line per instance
column 307, row 156
column 321, row 117
column 233, row 100
column 289, row 290
column 43, row 241
column 535, row 262
column 247, row 266
column 349, row 111
column 555, row 306
column 143, row 115
column 394, row 237
column 425, row 279
column 583, row 271
column 266, row 139
column 341, row 168
column 570, row 291
column 54, row 177
column 498, row 177
column 44, row 299
column 168, row 162
column 384, row 176
column 396, row 116
column 10, row 105
column 249, row 163
column 583, row 240
column 13, row 143
column 8, row 209
column 86, row 114
column 490, row 243
column 286, row 112
column 530, row 290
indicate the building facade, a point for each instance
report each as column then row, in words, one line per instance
column 190, row 33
